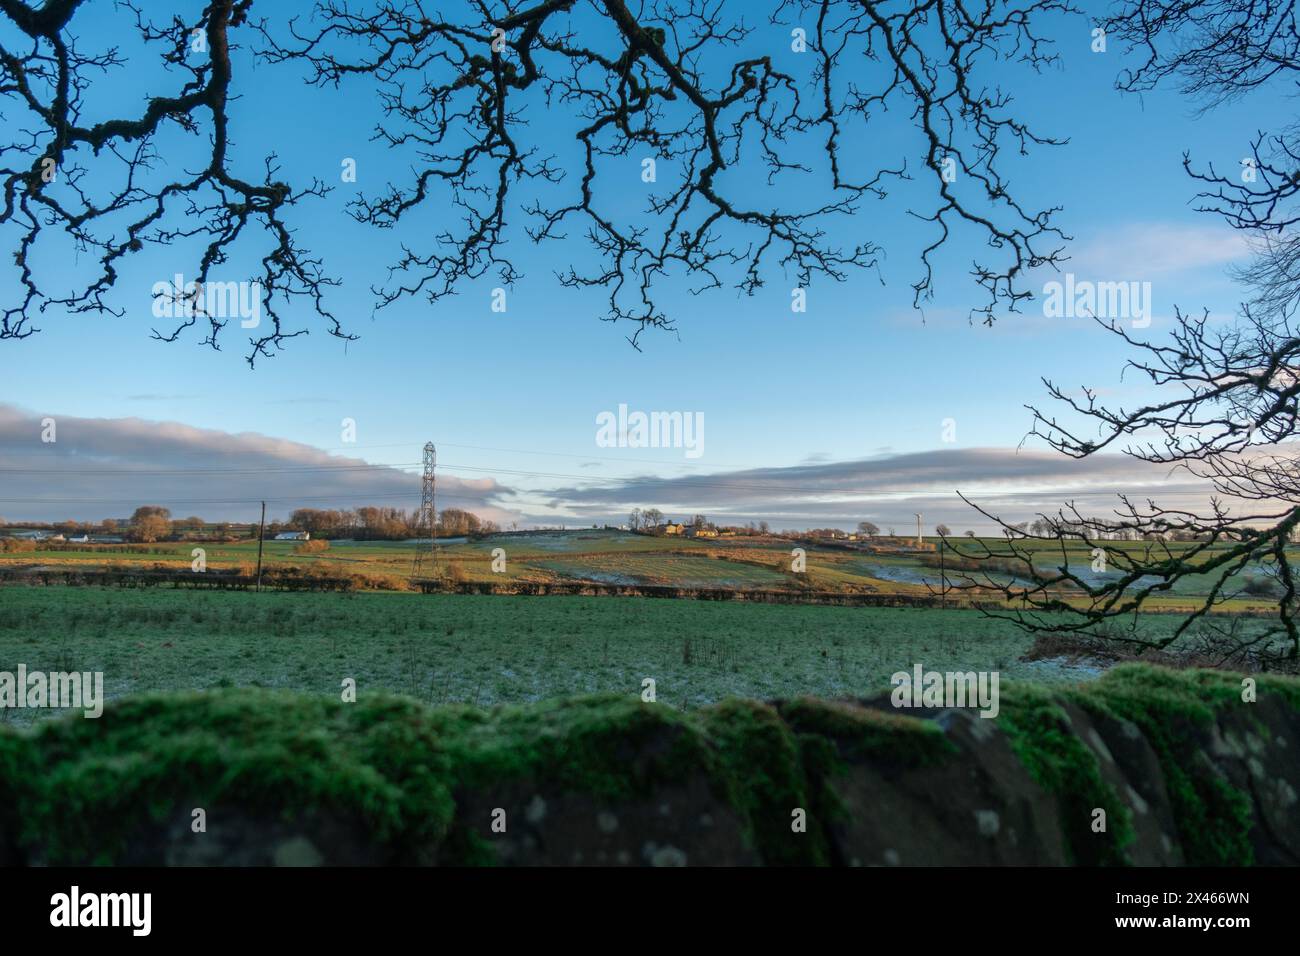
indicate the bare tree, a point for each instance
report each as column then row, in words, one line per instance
column 77, row 181
column 672, row 82
column 1218, row 52
column 1227, row 409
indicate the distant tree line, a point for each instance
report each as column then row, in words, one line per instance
column 151, row 523
column 386, row 524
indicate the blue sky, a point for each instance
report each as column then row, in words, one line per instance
column 859, row 376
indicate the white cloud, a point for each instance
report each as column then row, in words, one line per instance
column 1147, row 250
column 1016, row 485
column 105, row 467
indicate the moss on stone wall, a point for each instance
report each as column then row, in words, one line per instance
column 76, row 790
column 865, row 734
column 764, row 775
column 1041, row 736
column 1174, row 710
column 375, row 761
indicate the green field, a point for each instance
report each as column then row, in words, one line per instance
column 485, row 650
column 488, row 650
column 613, row 557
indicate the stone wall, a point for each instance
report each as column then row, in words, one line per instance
column 1184, row 769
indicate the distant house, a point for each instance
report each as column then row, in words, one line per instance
column 671, row 528
column 702, row 533
column 293, row 536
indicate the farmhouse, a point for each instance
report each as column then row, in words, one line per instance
column 671, row 528
column 293, row 536
column 702, row 533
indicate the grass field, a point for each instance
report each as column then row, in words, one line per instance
column 490, row 650
column 609, row 557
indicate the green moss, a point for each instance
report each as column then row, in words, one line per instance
column 619, row 748
column 611, row 747
column 608, row 746
column 821, row 763
column 464, row 847
column 1285, row 688
column 1196, row 694
column 80, row 789
column 760, row 760
column 862, row 733
column 831, row 735
column 1212, row 816
column 1039, row 732
column 18, row 762
column 375, row 762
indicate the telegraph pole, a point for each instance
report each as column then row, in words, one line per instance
column 261, row 533
column 428, row 516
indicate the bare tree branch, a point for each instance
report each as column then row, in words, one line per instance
column 96, row 184
column 656, row 83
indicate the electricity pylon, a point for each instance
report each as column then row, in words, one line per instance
column 427, row 519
